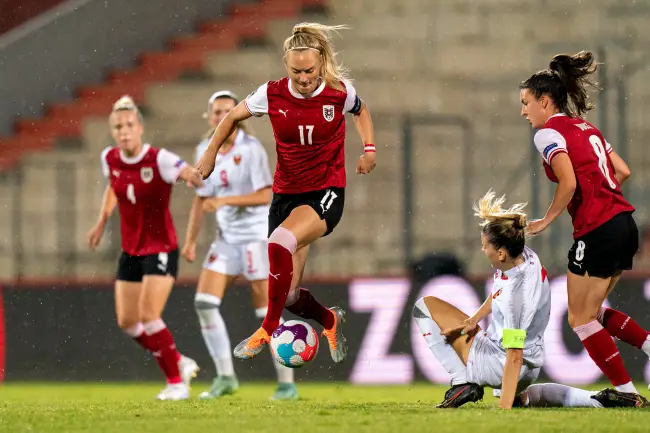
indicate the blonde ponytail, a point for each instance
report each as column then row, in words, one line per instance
column 502, row 228
column 315, row 36
column 489, row 209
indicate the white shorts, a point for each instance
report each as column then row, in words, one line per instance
column 250, row 260
column 485, row 365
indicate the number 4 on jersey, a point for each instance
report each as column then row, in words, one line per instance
column 130, row 193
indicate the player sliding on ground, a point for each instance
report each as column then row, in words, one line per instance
column 510, row 353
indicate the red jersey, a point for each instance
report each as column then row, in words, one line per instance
column 143, row 186
column 598, row 196
column 309, row 133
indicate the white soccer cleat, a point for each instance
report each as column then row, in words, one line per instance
column 496, row 393
column 188, row 369
column 176, row 391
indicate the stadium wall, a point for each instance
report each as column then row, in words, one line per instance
column 77, row 42
column 68, row 333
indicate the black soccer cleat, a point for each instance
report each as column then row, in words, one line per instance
column 458, row 395
column 609, row 397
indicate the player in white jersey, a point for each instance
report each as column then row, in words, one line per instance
column 509, row 355
column 239, row 192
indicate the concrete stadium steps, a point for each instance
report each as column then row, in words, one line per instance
column 461, row 58
column 184, row 54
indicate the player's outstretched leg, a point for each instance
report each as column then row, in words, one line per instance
column 586, row 296
column 557, row 395
column 623, row 327
column 461, row 391
column 626, row 329
column 282, row 246
column 303, row 304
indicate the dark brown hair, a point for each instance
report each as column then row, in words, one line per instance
column 566, row 82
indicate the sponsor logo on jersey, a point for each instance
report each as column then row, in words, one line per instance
column 548, row 149
column 147, row 174
column 497, row 293
column 179, row 163
column 236, row 159
column 328, row 112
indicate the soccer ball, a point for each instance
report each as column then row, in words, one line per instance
column 294, row 343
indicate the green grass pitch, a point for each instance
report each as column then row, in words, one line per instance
column 131, row 408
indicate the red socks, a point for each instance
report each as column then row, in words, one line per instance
column 156, row 338
column 307, row 307
column 603, row 351
column 280, row 275
column 623, row 327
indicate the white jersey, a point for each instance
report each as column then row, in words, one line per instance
column 242, row 170
column 521, row 299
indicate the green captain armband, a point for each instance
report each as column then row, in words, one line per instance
column 513, row 338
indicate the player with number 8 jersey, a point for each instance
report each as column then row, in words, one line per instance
column 588, row 173
column 307, row 112
column 140, row 183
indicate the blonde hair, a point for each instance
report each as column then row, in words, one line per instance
column 126, row 103
column 315, row 36
column 224, row 94
column 503, row 228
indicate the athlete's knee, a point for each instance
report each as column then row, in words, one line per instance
column 292, row 297
column 149, row 313
column 576, row 319
column 205, row 306
column 420, row 309
column 571, row 319
column 126, row 323
column 285, row 238
column 534, row 395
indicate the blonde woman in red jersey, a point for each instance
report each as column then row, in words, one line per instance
column 588, row 173
column 140, row 183
column 307, row 112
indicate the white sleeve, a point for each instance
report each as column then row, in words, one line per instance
column 198, row 153
column 170, row 165
column 257, row 102
column 260, row 173
column 208, row 189
column 105, row 170
column 608, row 147
column 352, row 101
column 549, row 143
column 515, row 316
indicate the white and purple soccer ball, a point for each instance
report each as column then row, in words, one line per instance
column 294, row 343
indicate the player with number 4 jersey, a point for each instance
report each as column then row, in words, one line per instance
column 589, row 174
column 140, row 183
column 307, row 112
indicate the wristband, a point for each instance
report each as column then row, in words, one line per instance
column 369, row 148
column 513, row 338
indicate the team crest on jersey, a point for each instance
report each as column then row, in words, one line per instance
column 328, row 112
column 147, row 174
column 237, row 159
